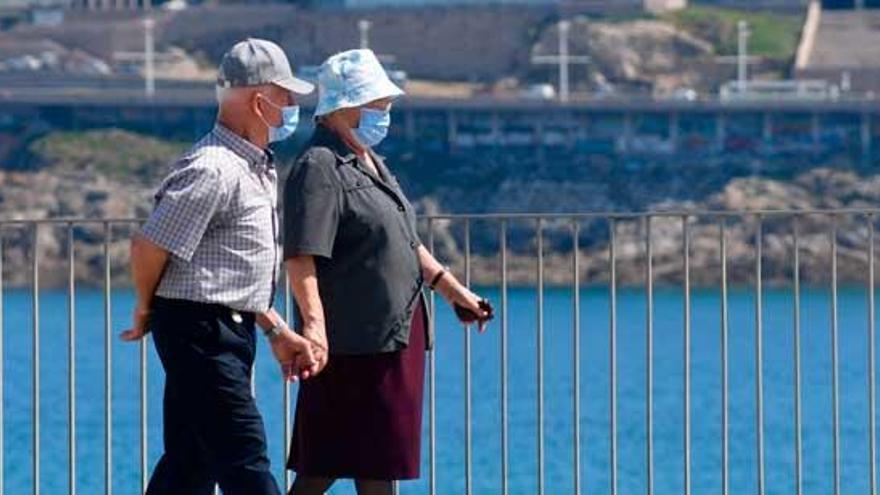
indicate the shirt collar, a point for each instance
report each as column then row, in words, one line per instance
column 259, row 160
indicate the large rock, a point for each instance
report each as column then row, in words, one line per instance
column 644, row 53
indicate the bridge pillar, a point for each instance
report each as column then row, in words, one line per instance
column 451, row 129
column 538, row 136
column 538, row 132
column 815, row 131
column 674, row 130
column 409, row 123
column 626, row 139
column 495, row 123
column 720, row 131
column 866, row 135
column 767, row 129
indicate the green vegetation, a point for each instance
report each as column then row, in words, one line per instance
column 774, row 35
column 114, row 153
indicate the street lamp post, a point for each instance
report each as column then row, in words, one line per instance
column 563, row 59
column 742, row 55
column 149, row 56
column 364, row 27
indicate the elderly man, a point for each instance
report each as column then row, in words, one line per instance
column 205, row 269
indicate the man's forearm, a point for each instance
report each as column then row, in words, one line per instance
column 304, row 283
column 147, row 265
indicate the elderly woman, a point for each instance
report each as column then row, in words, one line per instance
column 357, row 270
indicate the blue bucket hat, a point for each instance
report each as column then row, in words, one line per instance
column 351, row 79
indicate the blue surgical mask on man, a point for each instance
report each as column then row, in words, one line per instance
column 373, row 126
column 289, row 121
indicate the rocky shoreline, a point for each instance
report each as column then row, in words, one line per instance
column 89, row 187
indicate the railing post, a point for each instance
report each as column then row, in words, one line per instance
column 686, row 251
column 36, row 365
column 145, row 469
column 108, row 368
column 872, row 368
column 540, row 354
column 797, row 358
column 725, row 390
column 71, row 360
column 285, row 391
column 576, row 352
column 759, row 351
column 612, row 349
column 2, row 366
column 505, row 461
column 835, row 386
column 468, row 432
column 145, row 473
column 649, row 350
column 432, row 383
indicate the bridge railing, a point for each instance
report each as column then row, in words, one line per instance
column 577, row 250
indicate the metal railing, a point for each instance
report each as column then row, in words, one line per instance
column 599, row 236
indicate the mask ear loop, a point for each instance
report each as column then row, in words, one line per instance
column 260, row 113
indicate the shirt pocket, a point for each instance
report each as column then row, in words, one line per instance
column 255, row 224
column 351, row 184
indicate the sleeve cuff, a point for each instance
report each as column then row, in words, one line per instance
column 181, row 252
column 307, row 250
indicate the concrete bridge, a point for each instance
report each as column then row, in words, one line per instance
column 620, row 125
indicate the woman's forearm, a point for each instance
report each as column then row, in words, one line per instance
column 430, row 266
column 304, row 283
column 447, row 284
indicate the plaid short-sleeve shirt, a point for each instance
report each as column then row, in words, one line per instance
column 216, row 213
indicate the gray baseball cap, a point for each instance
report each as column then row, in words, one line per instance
column 254, row 62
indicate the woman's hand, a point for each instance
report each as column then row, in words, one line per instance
column 457, row 294
column 316, row 333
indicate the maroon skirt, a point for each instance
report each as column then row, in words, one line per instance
column 362, row 416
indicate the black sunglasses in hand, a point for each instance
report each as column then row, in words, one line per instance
column 468, row 316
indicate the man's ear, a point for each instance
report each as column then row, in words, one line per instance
column 254, row 105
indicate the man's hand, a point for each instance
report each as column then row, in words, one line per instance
column 139, row 325
column 316, row 334
column 296, row 355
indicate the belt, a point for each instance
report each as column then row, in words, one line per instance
column 211, row 308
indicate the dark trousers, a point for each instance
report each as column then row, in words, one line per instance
column 213, row 431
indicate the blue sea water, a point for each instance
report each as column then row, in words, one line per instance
column 522, row 376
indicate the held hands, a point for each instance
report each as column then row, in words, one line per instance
column 296, row 355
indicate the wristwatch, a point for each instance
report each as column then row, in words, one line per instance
column 276, row 330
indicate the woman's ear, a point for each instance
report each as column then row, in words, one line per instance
column 353, row 116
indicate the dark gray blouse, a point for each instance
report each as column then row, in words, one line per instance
column 361, row 230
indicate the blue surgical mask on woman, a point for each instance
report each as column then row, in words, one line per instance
column 289, row 121
column 373, row 126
